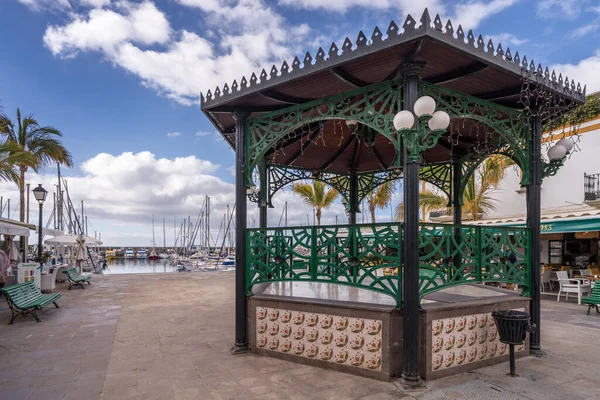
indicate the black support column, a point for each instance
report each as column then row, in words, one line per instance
column 456, row 193
column 410, row 279
column 534, row 205
column 241, row 331
column 263, row 194
column 353, row 206
column 457, row 210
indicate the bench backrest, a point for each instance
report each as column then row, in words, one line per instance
column 71, row 273
column 596, row 289
column 22, row 292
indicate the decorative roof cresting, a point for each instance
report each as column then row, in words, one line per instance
column 362, row 46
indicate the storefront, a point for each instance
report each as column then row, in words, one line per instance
column 569, row 238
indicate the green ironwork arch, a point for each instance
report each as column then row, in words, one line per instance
column 512, row 126
column 281, row 176
column 373, row 106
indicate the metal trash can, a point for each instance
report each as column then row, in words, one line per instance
column 512, row 328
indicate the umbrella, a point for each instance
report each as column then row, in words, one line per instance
column 81, row 252
column 4, row 266
column 11, row 249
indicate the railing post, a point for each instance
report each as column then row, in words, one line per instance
column 355, row 268
column 478, row 255
column 313, row 253
column 399, row 257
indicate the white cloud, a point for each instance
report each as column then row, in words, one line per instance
column 584, row 30
column 471, row 14
column 202, row 133
column 186, row 63
column 173, row 134
column 38, row 5
column 585, row 71
column 560, row 8
column 104, row 30
column 506, row 39
column 94, row 3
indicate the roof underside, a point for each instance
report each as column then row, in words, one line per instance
column 452, row 60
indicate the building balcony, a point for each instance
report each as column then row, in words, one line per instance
column 591, row 189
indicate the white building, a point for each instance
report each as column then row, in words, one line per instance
column 570, row 202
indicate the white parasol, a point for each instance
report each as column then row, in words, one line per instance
column 11, row 249
column 81, row 252
column 71, row 239
column 4, row 266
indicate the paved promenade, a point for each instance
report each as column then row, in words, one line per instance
column 167, row 337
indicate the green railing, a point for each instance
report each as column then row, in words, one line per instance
column 458, row 254
column 354, row 255
column 370, row 256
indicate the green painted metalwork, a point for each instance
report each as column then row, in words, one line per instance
column 373, row 106
column 487, row 254
column 280, row 176
column 353, row 255
column 367, row 256
column 417, row 140
column 551, row 168
column 439, row 175
column 510, row 135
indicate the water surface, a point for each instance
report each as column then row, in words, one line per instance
column 135, row 266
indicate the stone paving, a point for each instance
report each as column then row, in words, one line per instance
column 167, row 337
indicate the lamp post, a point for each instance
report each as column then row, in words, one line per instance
column 416, row 137
column 40, row 195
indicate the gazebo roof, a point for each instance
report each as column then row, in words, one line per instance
column 453, row 59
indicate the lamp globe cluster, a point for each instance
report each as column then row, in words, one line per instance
column 424, row 106
column 560, row 149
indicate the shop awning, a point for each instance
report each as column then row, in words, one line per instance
column 581, row 225
column 15, row 228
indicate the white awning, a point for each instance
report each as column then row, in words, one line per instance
column 15, row 228
column 72, row 240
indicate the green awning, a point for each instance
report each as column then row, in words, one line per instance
column 581, row 225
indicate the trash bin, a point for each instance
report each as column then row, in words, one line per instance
column 512, row 328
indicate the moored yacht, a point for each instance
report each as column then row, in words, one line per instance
column 141, row 254
column 129, row 253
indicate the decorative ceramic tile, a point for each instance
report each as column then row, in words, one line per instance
column 463, row 340
column 355, row 342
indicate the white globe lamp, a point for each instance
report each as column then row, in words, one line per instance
column 557, row 152
column 566, row 143
column 424, row 106
column 404, row 120
column 439, row 120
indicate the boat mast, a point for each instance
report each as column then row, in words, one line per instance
column 153, row 241
column 164, row 237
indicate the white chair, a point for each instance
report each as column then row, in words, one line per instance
column 546, row 279
column 567, row 286
column 48, row 281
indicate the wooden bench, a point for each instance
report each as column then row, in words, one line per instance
column 26, row 298
column 594, row 299
column 76, row 279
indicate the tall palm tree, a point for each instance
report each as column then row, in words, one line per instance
column 477, row 199
column 316, row 196
column 40, row 142
column 380, row 197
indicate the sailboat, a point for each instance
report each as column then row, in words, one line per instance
column 152, row 255
column 163, row 255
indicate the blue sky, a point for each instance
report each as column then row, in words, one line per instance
column 118, row 76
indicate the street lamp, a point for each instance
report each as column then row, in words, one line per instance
column 557, row 155
column 40, row 195
column 431, row 125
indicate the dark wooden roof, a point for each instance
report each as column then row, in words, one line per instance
column 453, row 60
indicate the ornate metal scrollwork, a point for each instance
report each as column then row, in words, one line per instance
column 551, row 168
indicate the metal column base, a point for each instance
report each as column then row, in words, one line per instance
column 239, row 349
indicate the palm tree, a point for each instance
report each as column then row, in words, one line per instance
column 477, row 199
column 10, row 157
column 40, row 142
column 316, row 196
column 380, row 197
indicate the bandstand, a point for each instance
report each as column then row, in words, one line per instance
column 388, row 299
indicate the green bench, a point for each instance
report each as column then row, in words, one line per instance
column 26, row 298
column 594, row 299
column 75, row 279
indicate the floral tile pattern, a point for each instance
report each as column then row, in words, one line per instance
column 355, row 342
column 466, row 339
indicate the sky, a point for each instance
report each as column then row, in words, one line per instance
column 122, row 81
